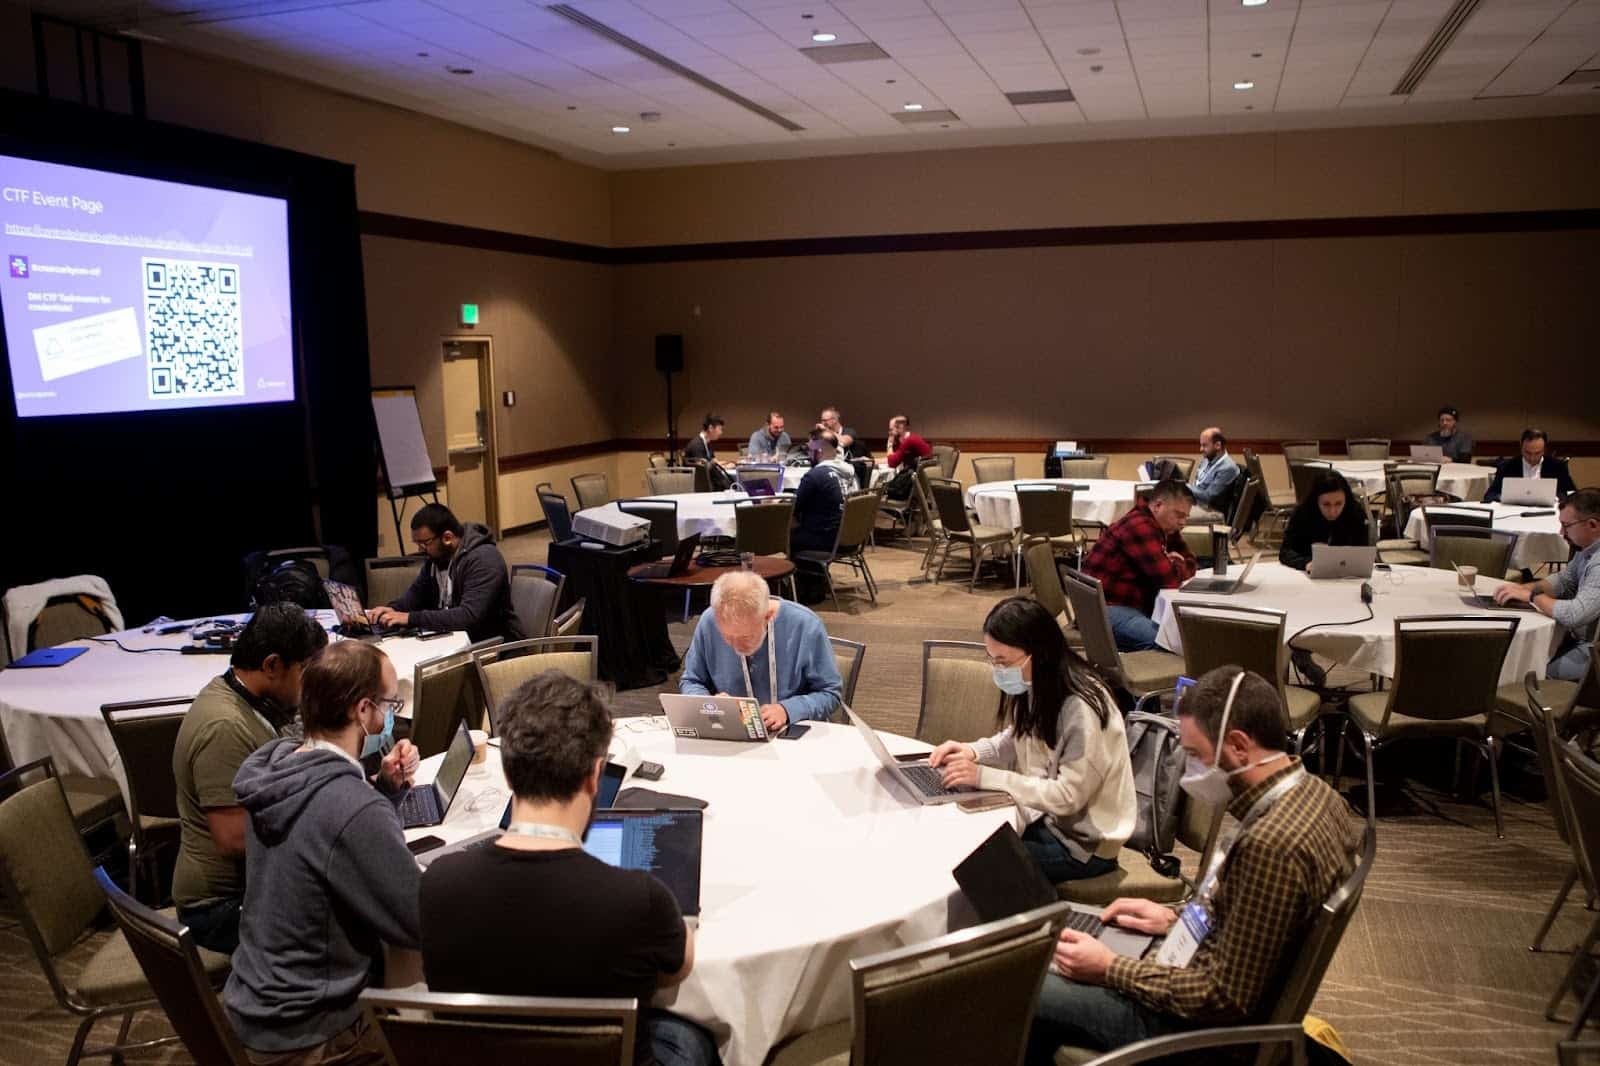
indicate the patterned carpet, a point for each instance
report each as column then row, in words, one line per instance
column 1434, row 970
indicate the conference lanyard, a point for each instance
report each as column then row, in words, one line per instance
column 1261, row 806
column 772, row 670
column 545, row 832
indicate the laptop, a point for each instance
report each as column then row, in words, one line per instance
column 1000, row 879
column 352, row 616
column 1222, row 586
column 663, row 843
column 923, row 782
column 1531, row 491
column 1480, row 599
column 428, row 804
column 1427, row 453
column 610, row 784
column 735, row 718
column 679, row 563
column 1329, row 562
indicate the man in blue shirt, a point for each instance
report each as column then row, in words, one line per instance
column 748, row 637
column 1213, row 479
column 770, row 439
column 1572, row 594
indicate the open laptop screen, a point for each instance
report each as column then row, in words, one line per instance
column 663, row 843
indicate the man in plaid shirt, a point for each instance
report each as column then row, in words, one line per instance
column 1285, row 863
column 1137, row 556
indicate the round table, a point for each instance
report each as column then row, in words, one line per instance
column 1539, row 538
column 56, row 712
column 811, row 857
column 771, row 567
column 1368, row 646
column 1098, row 500
column 1465, row 481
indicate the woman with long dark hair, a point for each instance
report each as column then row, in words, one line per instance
column 1330, row 514
column 1062, row 754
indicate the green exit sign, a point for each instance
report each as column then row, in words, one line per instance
column 469, row 314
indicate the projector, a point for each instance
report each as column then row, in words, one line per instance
column 617, row 529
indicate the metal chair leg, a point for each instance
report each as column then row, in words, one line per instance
column 1492, row 755
column 133, row 866
column 1572, row 968
column 80, row 1038
column 1555, row 909
column 1372, row 788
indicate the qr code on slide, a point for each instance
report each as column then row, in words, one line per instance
column 192, row 334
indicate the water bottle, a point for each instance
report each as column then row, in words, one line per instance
column 1219, row 551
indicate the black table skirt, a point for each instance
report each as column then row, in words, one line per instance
column 629, row 618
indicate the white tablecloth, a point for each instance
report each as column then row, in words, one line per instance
column 1539, row 539
column 811, row 857
column 1465, row 481
column 1367, row 646
column 56, row 711
column 1103, row 500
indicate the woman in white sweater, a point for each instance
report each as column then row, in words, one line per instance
column 1063, row 754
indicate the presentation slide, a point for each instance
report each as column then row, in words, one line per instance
column 128, row 294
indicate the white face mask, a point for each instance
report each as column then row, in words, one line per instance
column 1209, row 784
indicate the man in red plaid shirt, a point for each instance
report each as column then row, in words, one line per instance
column 1137, row 556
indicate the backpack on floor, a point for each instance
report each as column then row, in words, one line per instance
column 1158, row 763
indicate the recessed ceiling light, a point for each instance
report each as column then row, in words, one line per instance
column 423, row 55
column 1241, row 86
column 459, row 70
column 1255, row 55
column 913, row 107
column 824, row 37
column 621, row 129
column 1253, row 3
column 1097, row 68
column 1088, row 51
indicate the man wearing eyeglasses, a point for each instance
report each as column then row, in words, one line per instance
column 1571, row 595
column 463, row 583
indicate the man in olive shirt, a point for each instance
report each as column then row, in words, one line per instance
column 250, row 704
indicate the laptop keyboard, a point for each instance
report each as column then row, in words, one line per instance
column 1084, row 922
column 926, row 778
column 419, row 806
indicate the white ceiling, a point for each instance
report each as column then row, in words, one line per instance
column 1136, row 67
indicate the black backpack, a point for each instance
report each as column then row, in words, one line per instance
column 291, row 581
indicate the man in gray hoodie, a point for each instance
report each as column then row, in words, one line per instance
column 463, row 585
column 330, row 879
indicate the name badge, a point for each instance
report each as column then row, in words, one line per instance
column 1194, row 925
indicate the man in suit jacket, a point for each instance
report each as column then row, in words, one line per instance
column 703, row 447
column 1533, row 462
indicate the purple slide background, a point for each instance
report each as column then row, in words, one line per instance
column 161, row 209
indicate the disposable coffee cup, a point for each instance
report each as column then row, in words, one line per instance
column 1468, row 576
column 480, row 745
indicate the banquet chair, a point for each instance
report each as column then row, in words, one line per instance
column 847, row 656
column 63, row 619
column 948, row 456
column 1183, row 463
column 175, row 967
column 502, row 667
column 993, row 468
column 669, row 480
column 556, row 516
column 924, row 498
column 145, row 735
column 1446, row 676
column 1578, row 776
column 702, row 474
column 1303, row 472
column 535, row 591
column 1278, row 505
column 1045, row 582
column 423, row 1028
column 959, row 700
column 1490, row 550
column 95, row 802
column 591, row 490
column 656, row 461
column 958, row 528
column 1447, row 514
column 761, row 527
column 1295, row 986
column 1540, row 717
column 446, row 691
column 980, row 984
column 388, row 578
column 1217, row 634
column 1574, row 706
column 849, row 546
column 1044, row 511
column 663, row 518
column 1367, row 448
column 1245, row 519
column 569, row 623
column 1092, row 467
column 1300, row 450
column 1137, row 672
column 50, row 887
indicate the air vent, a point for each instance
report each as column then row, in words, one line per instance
column 1582, row 77
column 918, row 118
column 1041, row 96
column 845, row 53
column 1443, row 34
column 644, row 51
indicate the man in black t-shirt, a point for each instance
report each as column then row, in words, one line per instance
column 533, row 914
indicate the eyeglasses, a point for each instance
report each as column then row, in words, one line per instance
column 390, row 703
column 1575, row 522
column 424, row 542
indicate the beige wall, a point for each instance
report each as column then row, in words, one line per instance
column 1475, row 166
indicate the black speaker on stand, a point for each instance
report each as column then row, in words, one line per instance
column 669, row 361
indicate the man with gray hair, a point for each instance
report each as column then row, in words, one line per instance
column 1572, row 595
column 771, row 650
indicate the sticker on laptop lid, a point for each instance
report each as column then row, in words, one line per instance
column 686, row 731
column 711, row 709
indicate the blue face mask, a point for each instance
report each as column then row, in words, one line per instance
column 377, row 742
column 1008, row 679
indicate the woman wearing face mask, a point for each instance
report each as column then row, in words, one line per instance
column 1062, row 754
column 329, row 877
column 1330, row 514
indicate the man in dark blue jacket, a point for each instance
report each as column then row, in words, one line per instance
column 1533, row 462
